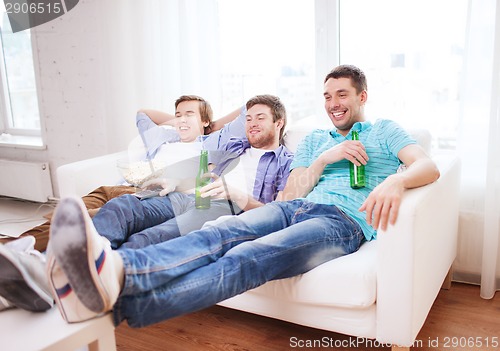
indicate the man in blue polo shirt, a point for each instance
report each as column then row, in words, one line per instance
column 321, row 220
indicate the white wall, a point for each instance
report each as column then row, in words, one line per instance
column 85, row 77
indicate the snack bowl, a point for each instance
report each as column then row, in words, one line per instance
column 137, row 173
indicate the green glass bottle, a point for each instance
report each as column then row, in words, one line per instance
column 357, row 173
column 202, row 203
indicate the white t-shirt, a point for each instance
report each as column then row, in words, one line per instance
column 243, row 175
column 172, row 153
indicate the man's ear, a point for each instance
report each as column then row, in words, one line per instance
column 364, row 96
column 279, row 123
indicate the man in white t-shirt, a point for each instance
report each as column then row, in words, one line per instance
column 189, row 131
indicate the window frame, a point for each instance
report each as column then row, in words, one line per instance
column 7, row 127
column 5, row 109
column 327, row 45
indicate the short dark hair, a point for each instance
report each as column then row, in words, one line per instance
column 356, row 75
column 206, row 112
column 274, row 103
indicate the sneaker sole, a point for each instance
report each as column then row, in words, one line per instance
column 17, row 287
column 70, row 247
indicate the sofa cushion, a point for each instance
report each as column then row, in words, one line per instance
column 348, row 281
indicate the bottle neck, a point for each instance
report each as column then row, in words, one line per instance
column 204, row 160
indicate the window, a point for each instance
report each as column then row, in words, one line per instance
column 411, row 51
column 267, row 47
column 19, row 113
column 413, row 58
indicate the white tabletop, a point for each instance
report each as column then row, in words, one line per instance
column 25, row 331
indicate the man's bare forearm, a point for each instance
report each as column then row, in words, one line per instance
column 159, row 117
column 302, row 180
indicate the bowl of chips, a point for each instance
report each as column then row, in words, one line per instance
column 137, row 173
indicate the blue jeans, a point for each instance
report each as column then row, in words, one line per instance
column 195, row 271
column 129, row 222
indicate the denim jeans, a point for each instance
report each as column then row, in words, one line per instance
column 130, row 222
column 93, row 202
column 195, row 271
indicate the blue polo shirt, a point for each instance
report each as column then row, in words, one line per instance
column 383, row 140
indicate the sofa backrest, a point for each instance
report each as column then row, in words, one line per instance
column 294, row 136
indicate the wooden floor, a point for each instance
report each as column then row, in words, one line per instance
column 458, row 318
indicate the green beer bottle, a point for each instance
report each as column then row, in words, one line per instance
column 202, row 202
column 357, row 173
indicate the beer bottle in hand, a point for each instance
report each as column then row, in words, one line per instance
column 357, row 173
column 201, row 181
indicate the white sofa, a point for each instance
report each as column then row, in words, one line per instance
column 382, row 292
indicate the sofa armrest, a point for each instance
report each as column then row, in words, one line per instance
column 415, row 255
column 81, row 177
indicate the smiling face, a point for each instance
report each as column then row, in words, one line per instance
column 343, row 104
column 188, row 121
column 261, row 131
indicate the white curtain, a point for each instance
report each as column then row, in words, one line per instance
column 479, row 145
column 157, row 50
column 490, row 272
